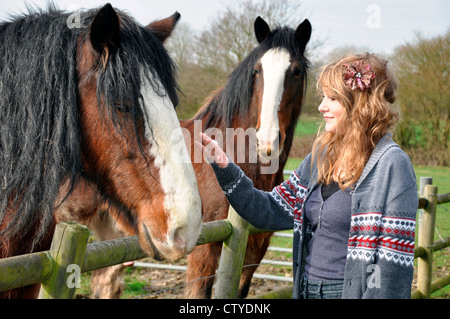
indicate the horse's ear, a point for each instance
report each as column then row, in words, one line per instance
column 162, row 29
column 303, row 33
column 262, row 29
column 105, row 28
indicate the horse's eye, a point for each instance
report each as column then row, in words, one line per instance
column 297, row 72
column 257, row 69
column 122, row 107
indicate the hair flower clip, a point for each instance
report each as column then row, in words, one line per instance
column 357, row 76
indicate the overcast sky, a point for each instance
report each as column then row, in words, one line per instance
column 379, row 25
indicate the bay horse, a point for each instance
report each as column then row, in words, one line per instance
column 85, row 110
column 264, row 92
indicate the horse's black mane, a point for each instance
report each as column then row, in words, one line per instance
column 235, row 97
column 39, row 121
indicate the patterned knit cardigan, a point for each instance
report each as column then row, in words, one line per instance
column 380, row 252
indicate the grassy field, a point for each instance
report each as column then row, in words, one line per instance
column 307, row 126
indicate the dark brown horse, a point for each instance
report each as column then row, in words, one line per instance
column 85, row 112
column 253, row 117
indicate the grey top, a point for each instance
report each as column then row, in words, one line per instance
column 330, row 224
column 380, row 250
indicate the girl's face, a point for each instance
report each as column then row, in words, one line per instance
column 332, row 112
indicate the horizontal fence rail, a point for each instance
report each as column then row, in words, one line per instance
column 50, row 267
column 24, row 270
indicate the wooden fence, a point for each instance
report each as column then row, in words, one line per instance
column 59, row 268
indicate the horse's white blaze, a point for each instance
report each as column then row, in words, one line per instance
column 182, row 198
column 274, row 63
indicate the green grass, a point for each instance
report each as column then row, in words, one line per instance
column 307, row 126
column 133, row 288
column 441, row 176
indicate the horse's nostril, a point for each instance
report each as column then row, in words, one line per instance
column 178, row 237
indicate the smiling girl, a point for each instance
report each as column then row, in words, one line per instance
column 352, row 202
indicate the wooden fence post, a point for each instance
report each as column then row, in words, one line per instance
column 426, row 240
column 232, row 258
column 424, row 181
column 67, row 250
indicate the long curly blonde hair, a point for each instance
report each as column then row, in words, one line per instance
column 342, row 155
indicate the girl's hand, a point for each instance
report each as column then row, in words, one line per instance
column 214, row 152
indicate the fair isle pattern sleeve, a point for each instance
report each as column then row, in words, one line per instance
column 291, row 195
column 397, row 241
column 392, row 238
column 285, row 194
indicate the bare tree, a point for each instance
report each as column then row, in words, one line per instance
column 230, row 37
column 196, row 82
column 422, row 68
column 180, row 44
